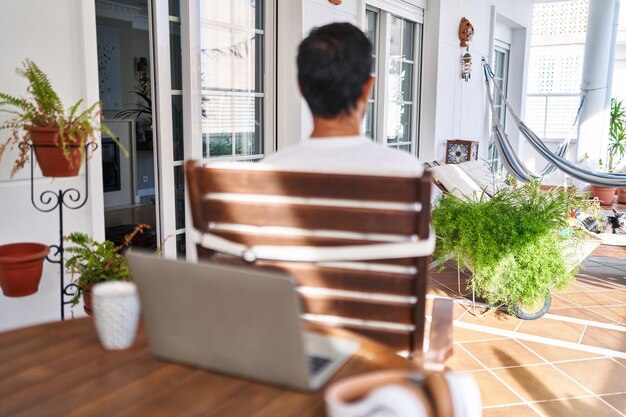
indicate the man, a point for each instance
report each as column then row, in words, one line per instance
column 334, row 74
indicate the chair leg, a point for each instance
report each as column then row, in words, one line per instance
column 440, row 338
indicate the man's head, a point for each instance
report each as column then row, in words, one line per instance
column 334, row 70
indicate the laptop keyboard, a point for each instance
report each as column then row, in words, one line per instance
column 317, row 363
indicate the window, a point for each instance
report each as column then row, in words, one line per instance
column 371, row 31
column 392, row 112
column 501, row 74
column 233, row 70
column 555, row 69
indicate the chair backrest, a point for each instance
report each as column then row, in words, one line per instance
column 382, row 299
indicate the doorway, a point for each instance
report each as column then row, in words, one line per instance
column 124, row 69
column 501, row 52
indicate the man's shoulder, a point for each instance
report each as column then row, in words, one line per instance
column 363, row 156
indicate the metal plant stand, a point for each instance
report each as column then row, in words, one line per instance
column 49, row 201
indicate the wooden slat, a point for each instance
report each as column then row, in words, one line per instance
column 348, row 279
column 419, row 308
column 396, row 340
column 301, row 184
column 357, row 309
column 310, row 217
column 195, row 197
column 306, row 274
column 423, row 224
column 441, row 328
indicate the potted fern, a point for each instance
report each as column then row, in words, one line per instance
column 58, row 135
column 519, row 244
column 91, row 262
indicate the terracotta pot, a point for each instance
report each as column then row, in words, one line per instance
column 87, row 304
column 50, row 156
column 621, row 195
column 604, row 194
column 21, row 265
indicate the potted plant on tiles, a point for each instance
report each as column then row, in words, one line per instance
column 58, row 135
column 91, row 262
column 615, row 153
column 603, row 193
column 519, row 244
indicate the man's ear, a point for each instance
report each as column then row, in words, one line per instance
column 367, row 87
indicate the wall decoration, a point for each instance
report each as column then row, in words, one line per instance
column 466, row 66
column 466, row 33
column 109, row 67
column 458, row 151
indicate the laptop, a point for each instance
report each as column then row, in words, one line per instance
column 242, row 321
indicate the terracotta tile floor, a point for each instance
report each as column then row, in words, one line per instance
column 571, row 362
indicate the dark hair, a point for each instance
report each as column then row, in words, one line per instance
column 334, row 62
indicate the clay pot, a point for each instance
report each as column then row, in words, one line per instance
column 50, row 156
column 621, row 195
column 21, row 265
column 604, row 194
column 87, row 300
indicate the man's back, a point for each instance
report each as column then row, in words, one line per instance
column 347, row 154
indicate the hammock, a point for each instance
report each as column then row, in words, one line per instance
column 556, row 160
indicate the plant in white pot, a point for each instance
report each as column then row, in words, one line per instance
column 603, row 193
column 58, row 134
column 92, row 262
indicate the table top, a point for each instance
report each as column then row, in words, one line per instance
column 60, row 369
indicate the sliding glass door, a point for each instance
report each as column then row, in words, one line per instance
column 214, row 81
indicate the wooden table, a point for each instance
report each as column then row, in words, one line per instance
column 60, row 369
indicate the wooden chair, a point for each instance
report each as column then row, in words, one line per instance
column 265, row 207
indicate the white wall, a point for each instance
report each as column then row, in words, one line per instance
column 295, row 21
column 451, row 107
column 60, row 36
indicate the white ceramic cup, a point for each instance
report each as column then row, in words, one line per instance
column 116, row 313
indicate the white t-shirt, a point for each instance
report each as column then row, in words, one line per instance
column 348, row 154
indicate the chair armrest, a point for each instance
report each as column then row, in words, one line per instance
column 440, row 338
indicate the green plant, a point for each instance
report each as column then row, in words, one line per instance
column 44, row 108
column 92, row 262
column 511, row 180
column 512, row 242
column 617, row 133
column 137, row 110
